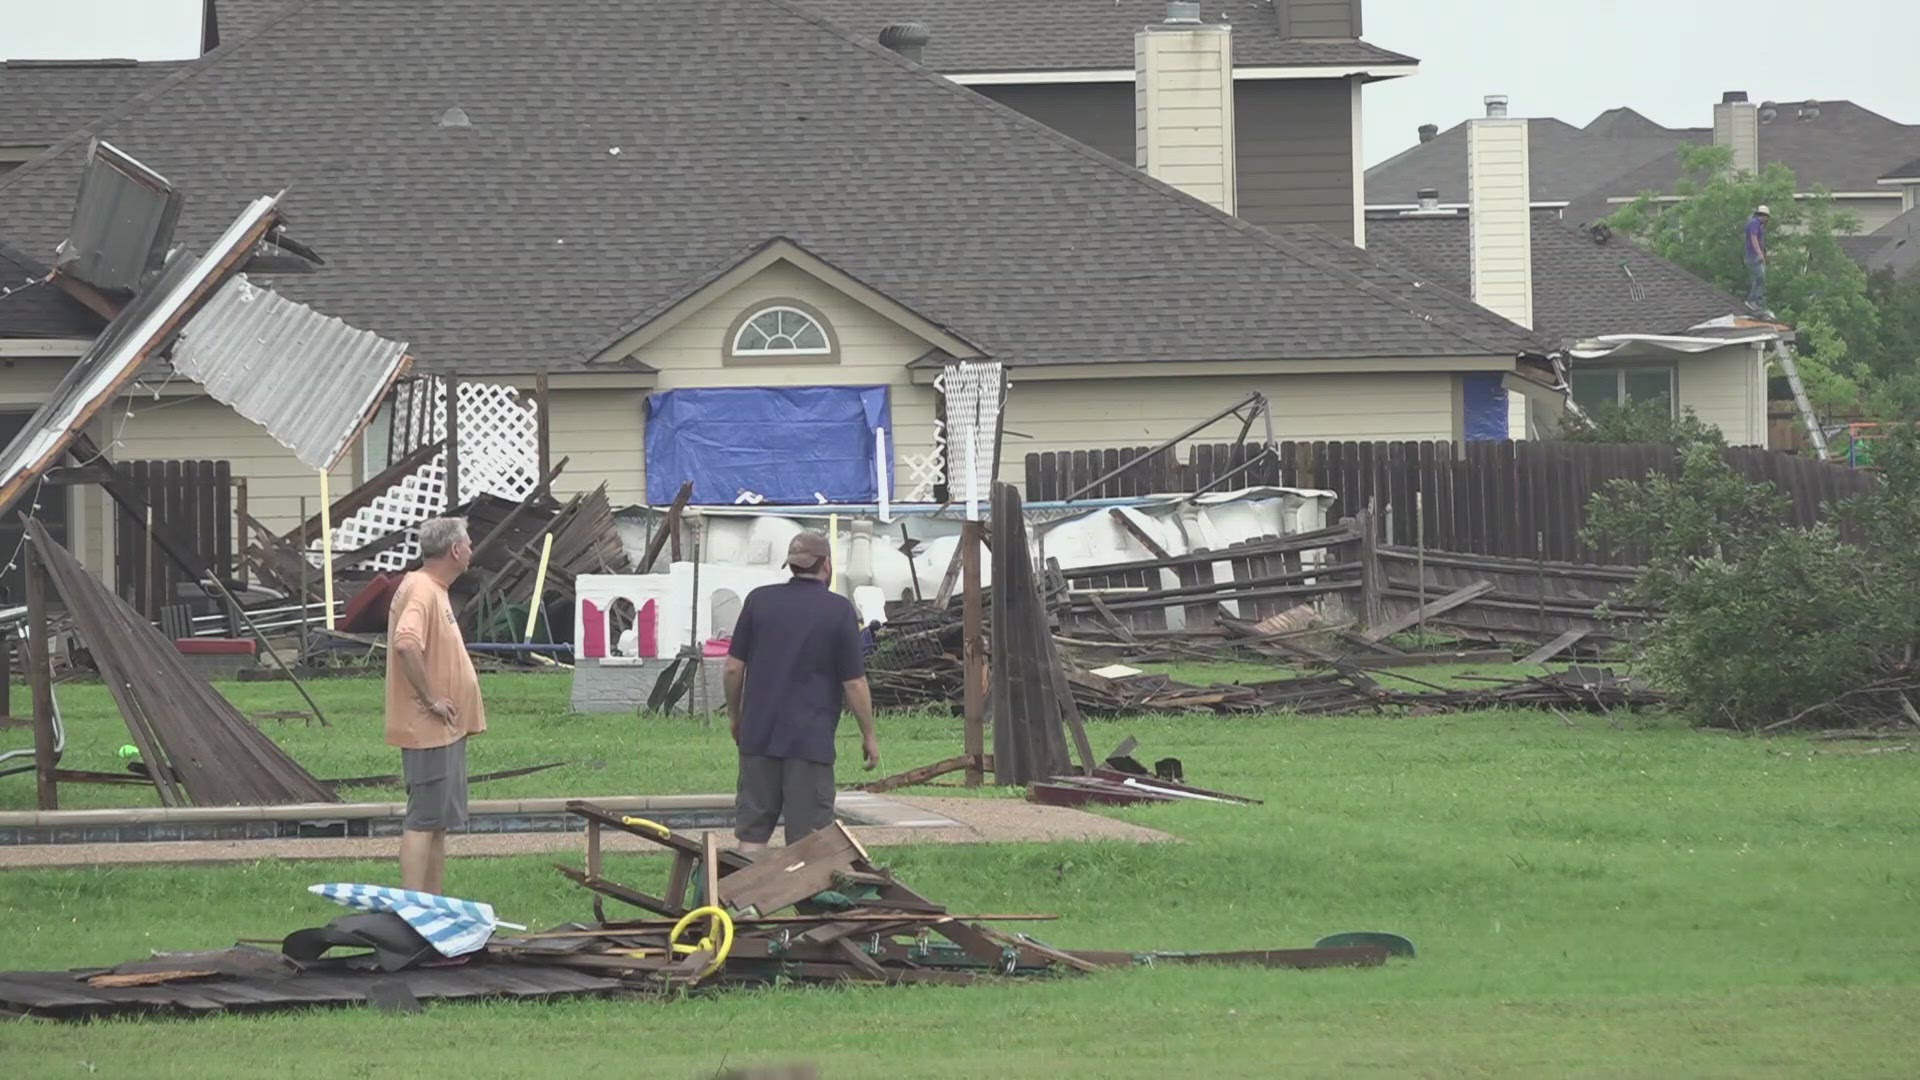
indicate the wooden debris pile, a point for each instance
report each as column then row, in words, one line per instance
column 820, row 910
column 197, row 747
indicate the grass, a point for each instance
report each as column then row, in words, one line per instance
column 1588, row 901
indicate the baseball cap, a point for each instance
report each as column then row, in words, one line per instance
column 1762, row 209
column 805, row 551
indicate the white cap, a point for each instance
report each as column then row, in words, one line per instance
column 1762, row 209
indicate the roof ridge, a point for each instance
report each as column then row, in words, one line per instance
column 189, row 69
column 1173, row 194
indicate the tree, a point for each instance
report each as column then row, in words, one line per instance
column 1640, row 422
column 1811, row 282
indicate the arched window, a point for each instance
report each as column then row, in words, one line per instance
column 781, row 330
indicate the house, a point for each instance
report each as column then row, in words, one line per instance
column 1298, row 70
column 1894, row 246
column 747, row 198
column 1590, row 172
column 1636, row 326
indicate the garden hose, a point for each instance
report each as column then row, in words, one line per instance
column 715, row 917
column 653, row 827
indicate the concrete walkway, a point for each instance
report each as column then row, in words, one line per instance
column 961, row 821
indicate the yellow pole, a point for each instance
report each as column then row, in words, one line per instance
column 326, row 546
column 539, row 586
column 833, row 549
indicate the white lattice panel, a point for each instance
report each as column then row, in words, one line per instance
column 499, row 455
column 975, row 395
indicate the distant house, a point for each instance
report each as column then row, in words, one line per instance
column 751, row 199
column 1587, row 173
column 1635, row 326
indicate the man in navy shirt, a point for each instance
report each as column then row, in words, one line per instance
column 796, row 659
column 1754, row 247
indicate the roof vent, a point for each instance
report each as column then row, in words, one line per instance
column 1769, row 112
column 1183, row 13
column 455, row 116
column 1496, row 105
column 1733, row 97
column 1429, row 199
column 1810, row 111
column 907, row 39
column 1428, row 131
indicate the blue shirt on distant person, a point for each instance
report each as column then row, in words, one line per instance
column 800, row 642
column 1756, row 249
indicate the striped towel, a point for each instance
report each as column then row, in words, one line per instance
column 454, row 927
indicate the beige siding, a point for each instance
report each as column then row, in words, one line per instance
column 1085, row 415
column 199, row 427
column 1501, row 246
column 1728, row 389
column 601, row 434
column 1183, row 119
column 1872, row 213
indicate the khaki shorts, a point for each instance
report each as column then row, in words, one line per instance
column 436, row 787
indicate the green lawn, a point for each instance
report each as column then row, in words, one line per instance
column 1588, row 901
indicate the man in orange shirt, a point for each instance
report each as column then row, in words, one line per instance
column 433, row 701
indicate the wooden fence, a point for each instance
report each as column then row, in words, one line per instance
column 1519, row 499
column 193, row 501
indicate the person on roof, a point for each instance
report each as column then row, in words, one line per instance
column 1754, row 247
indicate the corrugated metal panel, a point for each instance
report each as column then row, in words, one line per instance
column 309, row 379
column 116, row 355
column 123, row 220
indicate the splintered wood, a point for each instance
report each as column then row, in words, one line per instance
column 851, row 920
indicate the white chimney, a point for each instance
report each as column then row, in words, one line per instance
column 1500, row 226
column 1736, row 126
column 1183, row 105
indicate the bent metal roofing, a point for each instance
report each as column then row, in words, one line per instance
column 607, row 161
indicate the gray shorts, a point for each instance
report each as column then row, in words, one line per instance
column 769, row 787
column 436, row 787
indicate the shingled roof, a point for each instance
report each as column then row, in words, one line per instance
column 44, row 101
column 1842, row 147
column 610, row 161
column 33, row 307
column 1066, row 35
column 1581, row 286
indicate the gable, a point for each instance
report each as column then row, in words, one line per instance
column 868, row 347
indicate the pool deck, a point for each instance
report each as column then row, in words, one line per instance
column 877, row 820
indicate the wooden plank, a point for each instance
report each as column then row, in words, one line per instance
column 709, row 868
column 1438, row 607
column 622, row 893
column 1139, row 535
column 1555, row 647
column 973, row 655
column 780, row 877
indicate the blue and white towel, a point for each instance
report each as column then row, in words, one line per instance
column 454, row 927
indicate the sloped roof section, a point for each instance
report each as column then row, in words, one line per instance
column 1067, row 35
column 1567, row 161
column 33, row 307
column 1909, row 171
column 1582, row 286
column 44, row 101
column 607, row 161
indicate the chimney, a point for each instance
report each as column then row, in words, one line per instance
column 907, row 39
column 1183, row 105
column 1428, row 131
column 1500, row 226
column 1499, row 216
column 1736, row 126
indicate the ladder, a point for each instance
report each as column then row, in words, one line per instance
column 1784, row 357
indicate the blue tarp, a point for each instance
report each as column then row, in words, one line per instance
column 787, row 444
column 1486, row 407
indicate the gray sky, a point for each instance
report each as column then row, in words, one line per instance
column 1670, row 60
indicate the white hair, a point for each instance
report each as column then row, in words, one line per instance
column 438, row 535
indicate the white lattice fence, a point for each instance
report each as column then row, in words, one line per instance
column 975, row 394
column 499, row 455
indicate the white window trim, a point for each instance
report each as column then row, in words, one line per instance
column 734, row 349
column 1619, row 373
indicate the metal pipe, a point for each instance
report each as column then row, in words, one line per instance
column 1251, row 399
